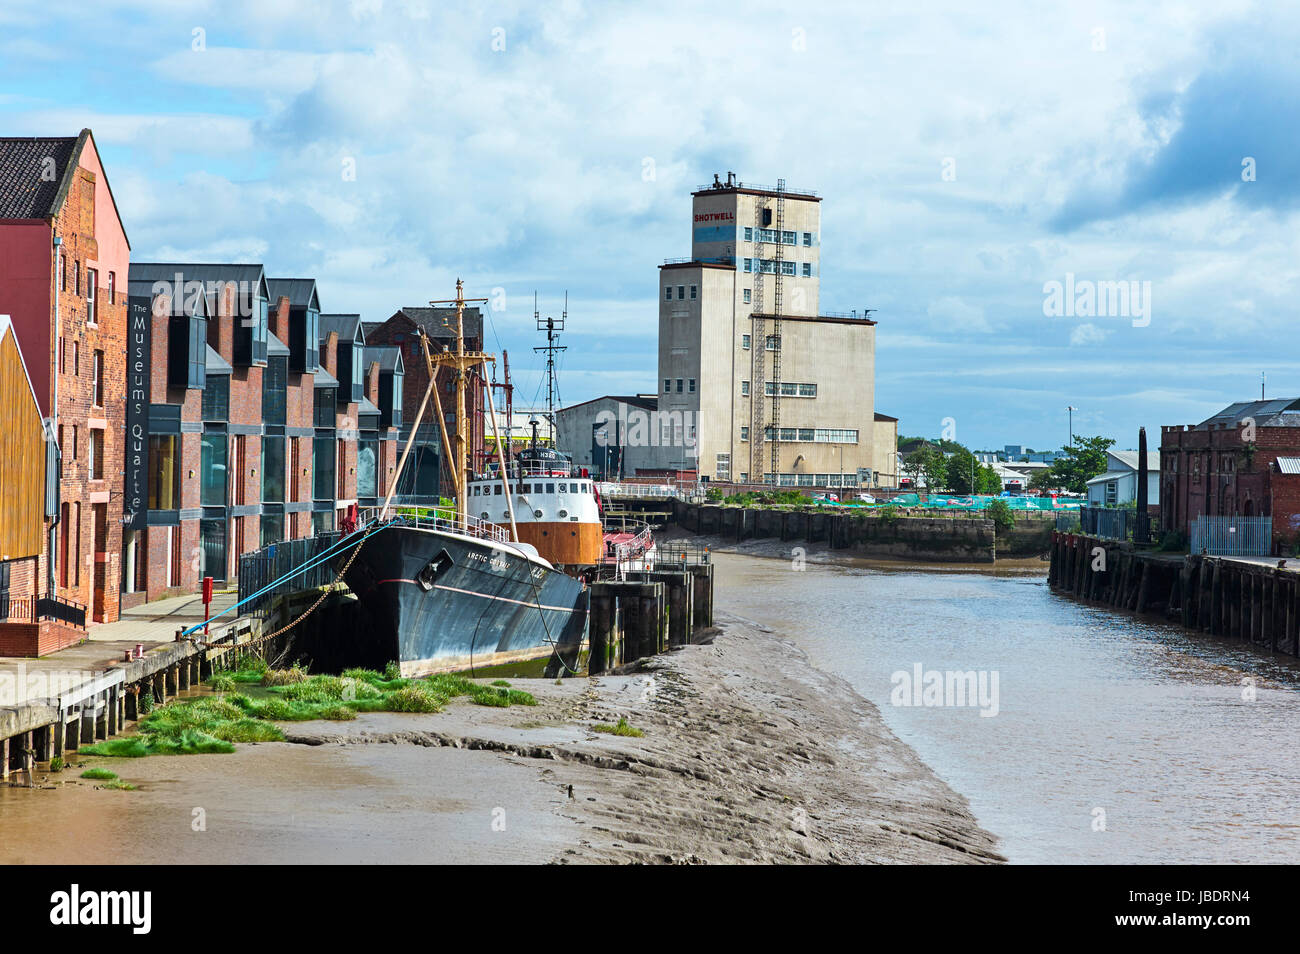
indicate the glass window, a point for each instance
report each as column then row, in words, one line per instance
column 322, row 522
column 213, row 468
column 273, row 469
column 368, row 467
column 668, row 385
column 164, row 474
column 668, row 293
column 807, row 239
column 679, row 385
column 216, row 398
column 693, row 293
column 744, row 433
column 744, row 387
column 323, row 458
column 745, row 339
column 681, row 292
column 748, row 296
column 275, row 381
column 807, row 270
column 272, row 528
column 692, row 385
column 749, row 234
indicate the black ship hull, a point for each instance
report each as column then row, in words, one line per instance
column 441, row 601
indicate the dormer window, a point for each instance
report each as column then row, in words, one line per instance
column 251, row 317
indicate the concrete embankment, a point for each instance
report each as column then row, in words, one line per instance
column 1256, row 600
column 877, row 534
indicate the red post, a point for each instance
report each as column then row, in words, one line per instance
column 207, row 603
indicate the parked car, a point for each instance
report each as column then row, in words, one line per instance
column 826, row 498
column 866, row 498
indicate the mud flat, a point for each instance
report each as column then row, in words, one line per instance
column 749, row 754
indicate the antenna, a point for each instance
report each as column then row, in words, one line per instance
column 551, row 326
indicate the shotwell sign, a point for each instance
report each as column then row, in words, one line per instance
column 139, row 336
column 715, row 217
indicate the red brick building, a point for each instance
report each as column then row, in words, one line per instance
column 64, row 257
column 252, row 437
column 1243, row 461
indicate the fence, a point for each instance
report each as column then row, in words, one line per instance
column 263, row 567
column 33, row 609
column 1232, row 536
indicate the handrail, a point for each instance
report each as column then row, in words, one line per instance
column 438, row 518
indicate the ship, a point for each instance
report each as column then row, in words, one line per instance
column 499, row 577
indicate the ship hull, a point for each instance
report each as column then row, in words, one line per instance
column 438, row 601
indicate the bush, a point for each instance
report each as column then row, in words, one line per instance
column 1003, row 517
column 622, row 728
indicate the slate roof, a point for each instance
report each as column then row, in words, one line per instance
column 430, row 319
column 345, row 326
column 301, row 292
column 390, row 359
column 275, row 347
column 29, row 187
column 1278, row 412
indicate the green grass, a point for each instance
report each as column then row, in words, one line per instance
column 119, row 785
column 99, row 773
column 621, row 729
column 214, row 723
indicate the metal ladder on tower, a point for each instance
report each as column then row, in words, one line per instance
column 776, row 332
column 758, row 355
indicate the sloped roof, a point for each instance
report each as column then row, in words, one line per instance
column 275, row 347
column 347, row 327
column 247, row 274
column 324, row 379
column 390, row 359
column 1278, row 412
column 36, row 173
column 217, row 364
column 34, row 177
column 632, row 400
column 301, row 292
column 1288, row 465
column 1129, row 458
column 365, row 407
column 431, row 320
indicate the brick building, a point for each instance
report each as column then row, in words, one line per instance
column 402, row 332
column 1243, row 461
column 252, row 436
column 64, row 257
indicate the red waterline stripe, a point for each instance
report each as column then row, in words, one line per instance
column 486, row 596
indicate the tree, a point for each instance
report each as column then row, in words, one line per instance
column 1084, row 459
column 960, row 471
column 935, row 469
column 1042, row 479
column 987, row 481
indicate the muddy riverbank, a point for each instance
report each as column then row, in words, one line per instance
column 749, row 754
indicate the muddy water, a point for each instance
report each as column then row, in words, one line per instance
column 1115, row 741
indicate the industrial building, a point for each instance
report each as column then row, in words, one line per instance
column 758, row 384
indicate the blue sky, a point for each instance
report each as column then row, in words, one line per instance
column 967, row 155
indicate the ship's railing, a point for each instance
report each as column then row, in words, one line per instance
column 656, row 491
column 631, row 550
column 440, row 518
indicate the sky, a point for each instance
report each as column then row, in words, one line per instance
column 968, row 155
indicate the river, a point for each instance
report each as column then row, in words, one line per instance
column 1114, row 741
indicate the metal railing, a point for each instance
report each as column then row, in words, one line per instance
column 261, row 568
column 625, row 554
column 1105, row 523
column 33, row 609
column 439, row 518
column 1232, row 536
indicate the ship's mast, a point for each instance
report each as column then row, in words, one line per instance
column 460, row 361
column 551, row 326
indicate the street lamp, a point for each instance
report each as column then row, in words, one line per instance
column 1071, row 408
